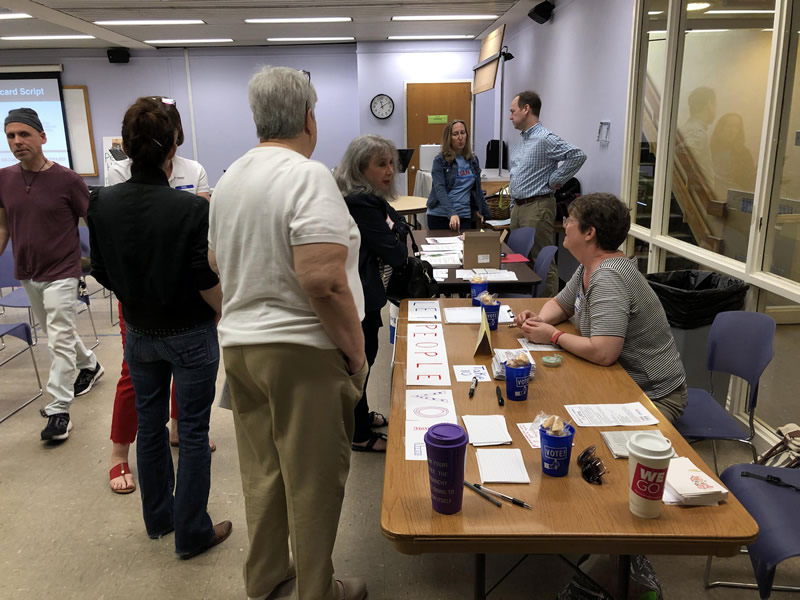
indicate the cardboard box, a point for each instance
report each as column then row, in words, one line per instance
column 481, row 250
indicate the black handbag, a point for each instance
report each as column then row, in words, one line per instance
column 414, row 279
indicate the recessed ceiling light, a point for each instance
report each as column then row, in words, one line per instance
column 446, row 18
column 697, row 5
column 655, row 12
column 153, row 22
column 34, row 38
column 430, row 37
column 739, row 12
column 189, row 42
column 311, row 39
column 15, row 16
column 302, row 20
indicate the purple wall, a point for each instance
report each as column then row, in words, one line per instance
column 578, row 63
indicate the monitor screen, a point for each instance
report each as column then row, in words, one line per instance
column 404, row 155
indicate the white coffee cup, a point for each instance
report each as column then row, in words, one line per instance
column 648, row 461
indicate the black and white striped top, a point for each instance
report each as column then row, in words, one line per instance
column 620, row 303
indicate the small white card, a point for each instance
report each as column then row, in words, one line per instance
column 531, row 433
column 465, row 373
column 440, row 274
column 502, row 465
column 487, row 430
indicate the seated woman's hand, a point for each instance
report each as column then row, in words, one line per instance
column 526, row 315
column 538, row 331
column 455, row 223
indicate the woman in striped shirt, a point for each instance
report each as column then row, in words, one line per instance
column 613, row 307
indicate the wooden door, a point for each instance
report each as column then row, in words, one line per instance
column 450, row 100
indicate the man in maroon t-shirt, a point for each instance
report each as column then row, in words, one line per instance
column 40, row 203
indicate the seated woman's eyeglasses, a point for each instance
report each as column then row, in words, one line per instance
column 567, row 220
column 592, row 468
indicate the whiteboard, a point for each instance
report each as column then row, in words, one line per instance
column 79, row 126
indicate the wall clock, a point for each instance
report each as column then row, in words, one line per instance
column 382, row 106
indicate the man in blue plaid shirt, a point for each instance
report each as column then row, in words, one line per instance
column 536, row 174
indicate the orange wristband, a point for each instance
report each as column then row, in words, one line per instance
column 554, row 339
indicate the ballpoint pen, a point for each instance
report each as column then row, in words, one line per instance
column 482, row 494
column 500, row 400
column 514, row 501
column 473, row 386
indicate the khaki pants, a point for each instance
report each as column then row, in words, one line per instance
column 293, row 414
column 539, row 214
column 673, row 404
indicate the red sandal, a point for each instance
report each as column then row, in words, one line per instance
column 121, row 470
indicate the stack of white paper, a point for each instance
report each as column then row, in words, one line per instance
column 688, row 485
column 617, row 441
column 440, row 274
column 452, row 240
column 487, row 430
column 442, row 259
column 491, row 274
column 502, row 466
column 501, row 356
column 610, row 415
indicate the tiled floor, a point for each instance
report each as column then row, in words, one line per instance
column 64, row 535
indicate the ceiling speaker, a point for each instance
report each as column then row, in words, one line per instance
column 119, row 55
column 542, row 12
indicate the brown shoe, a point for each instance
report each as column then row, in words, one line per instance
column 222, row 531
column 352, row 588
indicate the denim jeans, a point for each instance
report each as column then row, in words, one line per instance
column 191, row 359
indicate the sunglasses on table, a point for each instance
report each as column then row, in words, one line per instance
column 592, row 468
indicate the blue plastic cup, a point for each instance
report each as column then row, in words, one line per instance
column 492, row 314
column 556, row 451
column 517, row 379
column 476, row 289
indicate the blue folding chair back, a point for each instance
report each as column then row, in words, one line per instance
column 774, row 508
column 542, row 266
column 740, row 343
column 521, row 240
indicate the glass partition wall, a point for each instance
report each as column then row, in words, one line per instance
column 712, row 159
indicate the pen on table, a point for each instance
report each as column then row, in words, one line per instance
column 482, row 494
column 514, row 501
column 473, row 386
column 500, row 400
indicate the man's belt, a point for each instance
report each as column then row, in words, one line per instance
column 524, row 201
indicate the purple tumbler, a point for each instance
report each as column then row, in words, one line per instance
column 446, row 444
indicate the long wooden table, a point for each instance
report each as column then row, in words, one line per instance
column 452, row 285
column 569, row 515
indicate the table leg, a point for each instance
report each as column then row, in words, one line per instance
column 479, row 592
column 623, row 576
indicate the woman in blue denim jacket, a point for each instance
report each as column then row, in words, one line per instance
column 456, row 195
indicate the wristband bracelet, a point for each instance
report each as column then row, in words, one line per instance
column 554, row 339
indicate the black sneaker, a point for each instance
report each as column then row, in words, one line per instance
column 87, row 378
column 58, row 427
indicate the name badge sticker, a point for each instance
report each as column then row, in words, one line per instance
column 184, row 187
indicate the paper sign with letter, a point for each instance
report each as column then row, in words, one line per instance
column 425, row 408
column 426, row 357
column 484, row 343
column 424, row 310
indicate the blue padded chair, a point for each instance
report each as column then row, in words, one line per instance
column 542, row 266
column 23, row 332
column 774, row 508
column 17, row 298
column 740, row 343
column 521, row 240
column 86, row 252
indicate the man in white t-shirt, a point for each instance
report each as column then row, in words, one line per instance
column 287, row 251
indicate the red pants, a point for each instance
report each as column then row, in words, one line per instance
column 124, row 420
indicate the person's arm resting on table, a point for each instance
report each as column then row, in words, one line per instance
column 600, row 349
column 320, row 270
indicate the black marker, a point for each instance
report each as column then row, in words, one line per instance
column 482, row 494
column 500, row 400
column 473, row 386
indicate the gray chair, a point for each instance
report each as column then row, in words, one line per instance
column 21, row 331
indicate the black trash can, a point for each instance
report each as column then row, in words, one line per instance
column 691, row 300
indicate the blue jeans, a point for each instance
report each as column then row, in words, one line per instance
column 191, row 359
